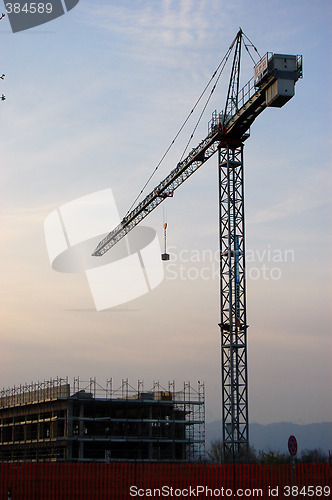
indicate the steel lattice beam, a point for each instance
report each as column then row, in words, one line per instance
column 233, row 325
column 178, row 175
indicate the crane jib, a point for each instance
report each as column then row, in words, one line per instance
column 224, row 130
column 178, row 175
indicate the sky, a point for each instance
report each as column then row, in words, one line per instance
column 93, row 100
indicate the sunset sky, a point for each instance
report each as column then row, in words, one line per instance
column 93, row 100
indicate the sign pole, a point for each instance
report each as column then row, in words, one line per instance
column 292, row 448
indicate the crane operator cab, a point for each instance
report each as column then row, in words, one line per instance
column 277, row 74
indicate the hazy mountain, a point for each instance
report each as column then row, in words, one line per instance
column 275, row 436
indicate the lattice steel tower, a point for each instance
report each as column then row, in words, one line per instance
column 233, row 325
column 272, row 86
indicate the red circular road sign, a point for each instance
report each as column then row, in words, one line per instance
column 292, row 445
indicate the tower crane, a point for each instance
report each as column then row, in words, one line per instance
column 273, row 85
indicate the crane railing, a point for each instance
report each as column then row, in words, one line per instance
column 247, row 92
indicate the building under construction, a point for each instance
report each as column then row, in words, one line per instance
column 50, row 421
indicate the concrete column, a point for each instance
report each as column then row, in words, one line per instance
column 81, row 432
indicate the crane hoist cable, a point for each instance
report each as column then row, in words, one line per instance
column 251, row 45
column 204, row 108
column 220, row 65
column 214, row 87
column 165, row 255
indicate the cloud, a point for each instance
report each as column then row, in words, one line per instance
column 165, row 22
column 314, row 193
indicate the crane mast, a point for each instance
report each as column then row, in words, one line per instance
column 272, row 86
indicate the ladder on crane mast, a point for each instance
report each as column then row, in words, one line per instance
column 273, row 85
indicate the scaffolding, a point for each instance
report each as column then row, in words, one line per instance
column 53, row 421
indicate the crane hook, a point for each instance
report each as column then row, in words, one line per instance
column 165, row 255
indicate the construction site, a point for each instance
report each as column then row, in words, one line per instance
column 107, row 112
column 54, row 421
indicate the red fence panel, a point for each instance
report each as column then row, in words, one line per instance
column 122, row 481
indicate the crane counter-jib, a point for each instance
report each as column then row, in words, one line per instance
column 272, row 86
